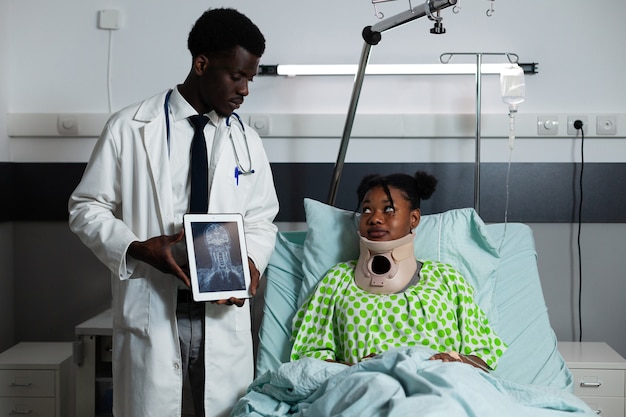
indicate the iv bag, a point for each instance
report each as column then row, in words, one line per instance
column 512, row 85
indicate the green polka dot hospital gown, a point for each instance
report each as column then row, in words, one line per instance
column 342, row 322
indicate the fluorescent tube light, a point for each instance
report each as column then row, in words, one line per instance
column 381, row 69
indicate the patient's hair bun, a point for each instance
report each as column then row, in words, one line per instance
column 426, row 184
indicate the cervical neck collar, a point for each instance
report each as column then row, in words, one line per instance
column 385, row 267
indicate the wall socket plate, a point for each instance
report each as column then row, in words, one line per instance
column 261, row 123
column 571, row 130
column 67, row 124
column 547, row 125
column 606, row 125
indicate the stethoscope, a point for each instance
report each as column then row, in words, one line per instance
column 239, row 169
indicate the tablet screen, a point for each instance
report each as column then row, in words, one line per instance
column 218, row 260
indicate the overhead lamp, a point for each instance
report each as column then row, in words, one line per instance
column 388, row 69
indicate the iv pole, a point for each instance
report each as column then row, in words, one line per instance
column 444, row 59
column 372, row 35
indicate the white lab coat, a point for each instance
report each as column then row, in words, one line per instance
column 126, row 195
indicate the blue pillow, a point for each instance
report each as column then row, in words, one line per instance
column 458, row 237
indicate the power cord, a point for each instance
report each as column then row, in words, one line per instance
column 578, row 125
column 109, row 65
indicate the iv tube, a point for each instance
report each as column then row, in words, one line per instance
column 513, row 89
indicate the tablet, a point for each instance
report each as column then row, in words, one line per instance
column 218, row 259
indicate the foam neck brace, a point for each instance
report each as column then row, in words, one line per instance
column 385, row 267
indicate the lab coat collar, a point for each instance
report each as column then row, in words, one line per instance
column 180, row 109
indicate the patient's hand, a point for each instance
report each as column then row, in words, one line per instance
column 453, row 356
column 446, row 357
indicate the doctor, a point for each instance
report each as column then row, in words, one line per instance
column 128, row 210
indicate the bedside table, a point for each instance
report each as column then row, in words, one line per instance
column 35, row 379
column 599, row 375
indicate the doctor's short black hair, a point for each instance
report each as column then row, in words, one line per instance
column 220, row 30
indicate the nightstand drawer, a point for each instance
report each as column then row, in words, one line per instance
column 606, row 406
column 26, row 383
column 598, row 382
column 32, row 407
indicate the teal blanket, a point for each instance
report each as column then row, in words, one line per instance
column 400, row 382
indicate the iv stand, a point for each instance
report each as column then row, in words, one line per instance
column 444, row 59
column 372, row 35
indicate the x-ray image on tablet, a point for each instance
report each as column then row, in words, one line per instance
column 218, row 261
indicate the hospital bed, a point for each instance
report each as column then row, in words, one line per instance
column 531, row 378
column 499, row 260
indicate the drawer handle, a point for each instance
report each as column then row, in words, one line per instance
column 21, row 384
column 590, row 384
column 16, row 412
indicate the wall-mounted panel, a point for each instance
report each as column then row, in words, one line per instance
column 538, row 192
column 369, row 125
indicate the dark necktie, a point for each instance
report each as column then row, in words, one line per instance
column 199, row 201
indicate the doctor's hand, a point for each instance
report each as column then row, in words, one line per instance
column 255, row 276
column 254, row 284
column 157, row 251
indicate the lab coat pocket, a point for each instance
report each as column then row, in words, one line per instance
column 227, row 181
column 242, row 321
column 229, row 318
column 134, row 312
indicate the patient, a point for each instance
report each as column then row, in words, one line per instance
column 388, row 299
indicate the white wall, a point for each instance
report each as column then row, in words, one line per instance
column 603, row 290
column 579, row 61
column 55, row 61
column 4, row 79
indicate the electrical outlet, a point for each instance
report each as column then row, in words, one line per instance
column 67, row 124
column 547, row 125
column 606, row 125
column 260, row 123
column 571, row 130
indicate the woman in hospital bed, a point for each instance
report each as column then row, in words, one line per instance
column 429, row 346
column 387, row 299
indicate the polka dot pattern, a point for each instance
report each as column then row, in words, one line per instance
column 342, row 322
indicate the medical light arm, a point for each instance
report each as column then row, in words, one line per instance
column 372, row 35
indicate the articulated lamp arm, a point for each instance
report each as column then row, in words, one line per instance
column 372, row 35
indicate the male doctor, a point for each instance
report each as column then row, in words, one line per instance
column 128, row 209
